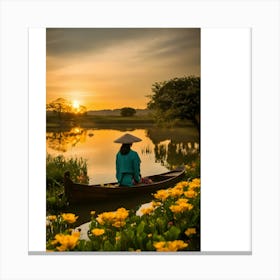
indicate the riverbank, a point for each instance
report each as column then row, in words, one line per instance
column 108, row 121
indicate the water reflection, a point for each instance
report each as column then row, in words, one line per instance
column 159, row 150
column 62, row 140
column 146, row 150
column 172, row 154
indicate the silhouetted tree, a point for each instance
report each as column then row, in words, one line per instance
column 128, row 112
column 60, row 106
column 178, row 98
column 64, row 109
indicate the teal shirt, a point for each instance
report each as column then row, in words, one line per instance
column 128, row 168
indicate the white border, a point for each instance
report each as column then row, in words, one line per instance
column 37, row 141
column 226, row 139
column 262, row 17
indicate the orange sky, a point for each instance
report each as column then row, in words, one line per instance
column 112, row 68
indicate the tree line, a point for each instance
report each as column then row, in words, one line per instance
column 171, row 100
column 176, row 99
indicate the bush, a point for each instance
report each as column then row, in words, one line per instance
column 55, row 169
column 128, row 112
column 57, row 166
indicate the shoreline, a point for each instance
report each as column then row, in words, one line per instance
column 111, row 121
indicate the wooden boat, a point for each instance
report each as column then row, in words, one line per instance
column 81, row 193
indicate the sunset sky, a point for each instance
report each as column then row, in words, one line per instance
column 109, row 68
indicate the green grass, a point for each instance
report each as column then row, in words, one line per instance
column 55, row 169
column 57, row 166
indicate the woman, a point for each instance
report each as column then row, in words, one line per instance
column 127, row 161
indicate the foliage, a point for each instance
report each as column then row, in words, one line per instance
column 128, row 112
column 55, row 169
column 56, row 166
column 55, row 198
column 178, row 98
column 59, row 232
column 171, row 222
column 60, row 105
column 193, row 168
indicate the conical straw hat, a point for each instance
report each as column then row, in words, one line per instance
column 127, row 139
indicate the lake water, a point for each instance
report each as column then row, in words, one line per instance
column 160, row 150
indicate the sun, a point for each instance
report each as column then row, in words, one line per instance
column 75, row 104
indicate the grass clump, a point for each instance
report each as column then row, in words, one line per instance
column 56, row 166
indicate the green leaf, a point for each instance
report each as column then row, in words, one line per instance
column 108, row 246
column 140, row 228
column 173, row 233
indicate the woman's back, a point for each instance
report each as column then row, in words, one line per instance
column 128, row 168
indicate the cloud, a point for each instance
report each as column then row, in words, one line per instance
column 69, row 41
column 73, row 41
column 118, row 62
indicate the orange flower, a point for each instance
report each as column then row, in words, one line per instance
column 67, row 242
column 69, row 218
column 190, row 231
column 190, row 194
column 97, row 231
column 170, row 246
column 161, row 195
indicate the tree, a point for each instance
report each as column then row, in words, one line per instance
column 60, row 106
column 64, row 108
column 178, row 98
column 128, row 112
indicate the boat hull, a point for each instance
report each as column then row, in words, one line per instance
column 81, row 193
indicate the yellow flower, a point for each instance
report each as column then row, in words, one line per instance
column 189, row 206
column 161, row 195
column 147, row 210
column 51, row 217
column 176, row 208
column 122, row 213
column 112, row 217
column 181, row 185
column 176, row 245
column 181, row 201
column 179, row 208
column 159, row 245
column 150, row 235
column 118, row 224
column 175, row 192
column 190, row 231
column 195, row 183
column 170, row 246
column 97, row 231
column 156, row 203
column 68, row 242
column 69, row 218
column 105, row 217
column 92, row 213
column 100, row 220
column 190, row 194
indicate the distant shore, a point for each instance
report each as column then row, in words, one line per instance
column 106, row 121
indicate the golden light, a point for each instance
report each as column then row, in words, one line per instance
column 75, row 104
